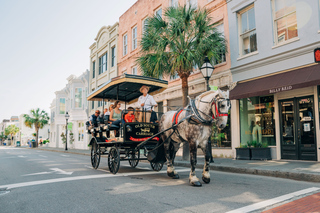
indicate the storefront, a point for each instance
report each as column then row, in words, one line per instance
column 280, row 110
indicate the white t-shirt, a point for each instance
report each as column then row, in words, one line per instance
column 148, row 101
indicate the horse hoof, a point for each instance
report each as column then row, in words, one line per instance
column 175, row 176
column 196, row 184
column 170, row 174
column 206, row 180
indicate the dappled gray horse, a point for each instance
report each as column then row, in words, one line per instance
column 207, row 109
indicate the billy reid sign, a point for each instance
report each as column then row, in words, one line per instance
column 280, row 89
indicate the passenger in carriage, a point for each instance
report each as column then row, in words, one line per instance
column 129, row 117
column 146, row 101
column 137, row 114
column 94, row 118
column 115, row 114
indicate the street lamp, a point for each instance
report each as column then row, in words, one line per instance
column 67, row 117
column 207, row 70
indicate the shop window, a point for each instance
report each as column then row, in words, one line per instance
column 284, row 20
column 257, row 120
column 222, row 138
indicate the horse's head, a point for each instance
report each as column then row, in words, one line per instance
column 220, row 108
column 217, row 104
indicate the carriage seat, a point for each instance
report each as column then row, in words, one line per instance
column 111, row 127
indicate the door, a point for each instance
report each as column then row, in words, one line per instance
column 298, row 141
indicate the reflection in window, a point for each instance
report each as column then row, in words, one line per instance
column 62, row 106
column 257, row 120
column 222, row 138
column 285, row 20
column 248, row 37
column 78, row 98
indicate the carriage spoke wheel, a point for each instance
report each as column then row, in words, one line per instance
column 114, row 160
column 95, row 154
column 156, row 166
column 134, row 157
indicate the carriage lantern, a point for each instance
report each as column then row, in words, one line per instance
column 67, row 117
column 207, row 70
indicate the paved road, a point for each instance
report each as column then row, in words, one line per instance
column 42, row 181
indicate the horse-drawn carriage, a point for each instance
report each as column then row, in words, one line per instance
column 158, row 142
column 131, row 139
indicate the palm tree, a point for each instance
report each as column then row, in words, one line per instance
column 37, row 118
column 11, row 130
column 177, row 43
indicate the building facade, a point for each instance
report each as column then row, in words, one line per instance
column 131, row 27
column 276, row 100
column 103, row 61
column 71, row 99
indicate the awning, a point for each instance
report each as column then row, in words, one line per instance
column 126, row 88
column 299, row 78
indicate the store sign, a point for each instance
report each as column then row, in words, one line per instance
column 317, row 55
column 70, row 126
column 280, row 89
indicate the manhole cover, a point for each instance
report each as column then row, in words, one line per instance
column 4, row 191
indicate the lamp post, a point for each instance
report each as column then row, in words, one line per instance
column 67, row 117
column 207, row 70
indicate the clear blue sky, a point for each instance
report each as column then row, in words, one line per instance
column 42, row 42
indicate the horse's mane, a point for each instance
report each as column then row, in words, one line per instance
column 205, row 94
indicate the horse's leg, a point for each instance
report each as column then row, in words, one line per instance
column 170, row 169
column 206, row 168
column 193, row 180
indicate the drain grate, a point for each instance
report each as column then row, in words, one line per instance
column 4, row 191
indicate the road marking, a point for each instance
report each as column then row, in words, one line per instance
column 86, row 177
column 54, row 170
column 43, row 156
column 273, row 201
column 21, row 156
column 65, row 155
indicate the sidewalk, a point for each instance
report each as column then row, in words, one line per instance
column 297, row 170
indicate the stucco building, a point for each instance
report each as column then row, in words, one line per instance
column 103, row 61
column 71, row 99
column 276, row 100
column 131, row 27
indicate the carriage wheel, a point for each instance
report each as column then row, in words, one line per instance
column 95, row 154
column 134, row 158
column 156, row 166
column 114, row 160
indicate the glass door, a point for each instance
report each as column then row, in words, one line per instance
column 306, row 130
column 288, row 136
column 298, row 140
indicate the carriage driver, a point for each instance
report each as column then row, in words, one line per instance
column 146, row 102
column 94, row 118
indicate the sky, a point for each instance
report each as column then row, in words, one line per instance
column 42, row 42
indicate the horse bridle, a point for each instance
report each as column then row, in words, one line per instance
column 216, row 102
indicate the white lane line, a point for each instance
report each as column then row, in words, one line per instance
column 273, row 201
column 43, row 156
column 86, row 177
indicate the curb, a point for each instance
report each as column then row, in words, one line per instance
column 270, row 173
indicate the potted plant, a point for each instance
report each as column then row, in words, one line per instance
column 243, row 152
column 260, row 151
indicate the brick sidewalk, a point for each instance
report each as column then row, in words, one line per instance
column 310, row 203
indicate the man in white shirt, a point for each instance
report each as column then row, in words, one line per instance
column 146, row 102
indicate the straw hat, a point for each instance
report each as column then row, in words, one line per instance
column 144, row 86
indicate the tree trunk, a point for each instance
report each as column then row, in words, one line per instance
column 185, row 90
column 37, row 132
column 185, row 100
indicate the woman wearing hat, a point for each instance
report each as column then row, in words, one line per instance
column 146, row 102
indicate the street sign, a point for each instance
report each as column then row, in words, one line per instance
column 70, row 126
column 317, row 55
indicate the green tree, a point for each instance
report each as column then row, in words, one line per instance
column 2, row 136
column 11, row 130
column 37, row 119
column 177, row 43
